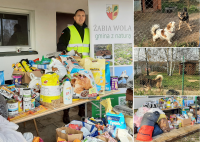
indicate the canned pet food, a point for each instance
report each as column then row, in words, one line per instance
column 12, row 107
column 17, row 79
column 114, row 82
column 27, row 94
column 20, row 109
column 26, row 105
column 32, row 103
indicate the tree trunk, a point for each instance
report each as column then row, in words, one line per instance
column 138, row 60
column 199, row 61
column 175, row 60
column 146, row 62
column 167, row 57
column 171, row 62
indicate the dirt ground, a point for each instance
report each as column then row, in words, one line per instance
column 144, row 21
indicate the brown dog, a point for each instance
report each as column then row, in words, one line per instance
column 157, row 82
column 184, row 18
column 80, row 83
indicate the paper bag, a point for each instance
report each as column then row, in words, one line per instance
column 97, row 66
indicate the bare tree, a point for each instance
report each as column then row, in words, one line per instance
column 199, row 61
column 146, row 57
column 138, row 60
column 167, row 57
column 170, row 73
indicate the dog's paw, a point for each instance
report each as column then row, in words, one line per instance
column 191, row 30
column 169, row 42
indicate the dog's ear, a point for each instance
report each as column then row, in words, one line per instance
column 169, row 26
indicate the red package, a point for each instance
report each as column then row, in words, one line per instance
column 145, row 133
column 36, row 60
column 74, row 126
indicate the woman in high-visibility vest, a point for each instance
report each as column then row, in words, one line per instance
column 75, row 37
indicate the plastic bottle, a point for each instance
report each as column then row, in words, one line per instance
column 67, row 92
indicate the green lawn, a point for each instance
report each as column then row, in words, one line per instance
column 175, row 82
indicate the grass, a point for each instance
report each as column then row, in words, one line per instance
column 190, row 138
column 173, row 82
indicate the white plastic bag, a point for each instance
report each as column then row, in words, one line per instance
column 61, row 68
column 34, row 81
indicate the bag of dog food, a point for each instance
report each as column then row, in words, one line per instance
column 50, row 90
column 107, row 87
column 58, row 68
column 71, row 64
column 97, row 66
column 83, row 85
column 164, row 125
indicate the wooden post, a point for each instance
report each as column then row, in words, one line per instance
column 143, row 5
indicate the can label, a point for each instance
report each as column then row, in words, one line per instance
column 20, row 109
column 26, row 105
column 32, row 103
column 12, row 108
column 114, row 82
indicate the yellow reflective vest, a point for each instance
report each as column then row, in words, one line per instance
column 76, row 42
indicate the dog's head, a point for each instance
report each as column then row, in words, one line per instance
column 182, row 14
column 171, row 26
column 79, row 76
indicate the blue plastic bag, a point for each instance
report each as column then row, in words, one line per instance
column 157, row 130
column 107, row 86
column 2, row 81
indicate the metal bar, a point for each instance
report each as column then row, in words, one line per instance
column 2, row 32
column 100, row 109
column 85, row 110
column 94, row 104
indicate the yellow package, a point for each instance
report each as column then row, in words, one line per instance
column 50, row 89
column 61, row 140
column 97, row 66
column 107, row 104
column 161, row 116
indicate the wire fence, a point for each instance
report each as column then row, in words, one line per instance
column 148, row 14
column 167, row 71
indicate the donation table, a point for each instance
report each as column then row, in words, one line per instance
column 62, row 107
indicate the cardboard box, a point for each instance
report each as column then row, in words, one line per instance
column 198, row 112
column 71, row 134
column 26, row 75
column 185, row 122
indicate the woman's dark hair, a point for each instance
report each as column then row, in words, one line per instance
column 78, row 11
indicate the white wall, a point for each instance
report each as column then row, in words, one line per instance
column 45, row 25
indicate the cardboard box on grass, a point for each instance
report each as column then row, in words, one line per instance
column 71, row 134
column 185, row 122
column 26, row 75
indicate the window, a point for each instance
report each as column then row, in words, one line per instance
column 16, row 30
column 13, row 30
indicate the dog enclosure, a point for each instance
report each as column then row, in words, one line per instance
column 150, row 12
column 180, row 68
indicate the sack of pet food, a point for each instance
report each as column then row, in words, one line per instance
column 58, row 68
column 83, row 85
column 2, row 81
column 97, row 66
column 107, row 87
column 50, row 90
column 71, row 64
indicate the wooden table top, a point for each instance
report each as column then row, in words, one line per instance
column 61, row 107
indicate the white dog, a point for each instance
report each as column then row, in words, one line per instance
column 166, row 33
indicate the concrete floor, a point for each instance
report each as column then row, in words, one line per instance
column 47, row 124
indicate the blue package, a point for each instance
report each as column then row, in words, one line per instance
column 198, row 119
column 31, row 62
column 107, row 86
column 116, row 120
column 2, row 81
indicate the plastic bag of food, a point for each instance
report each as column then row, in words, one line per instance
column 50, row 90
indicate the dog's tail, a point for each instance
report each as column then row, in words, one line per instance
column 154, row 28
column 159, row 79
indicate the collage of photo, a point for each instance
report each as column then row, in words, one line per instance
column 166, row 71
